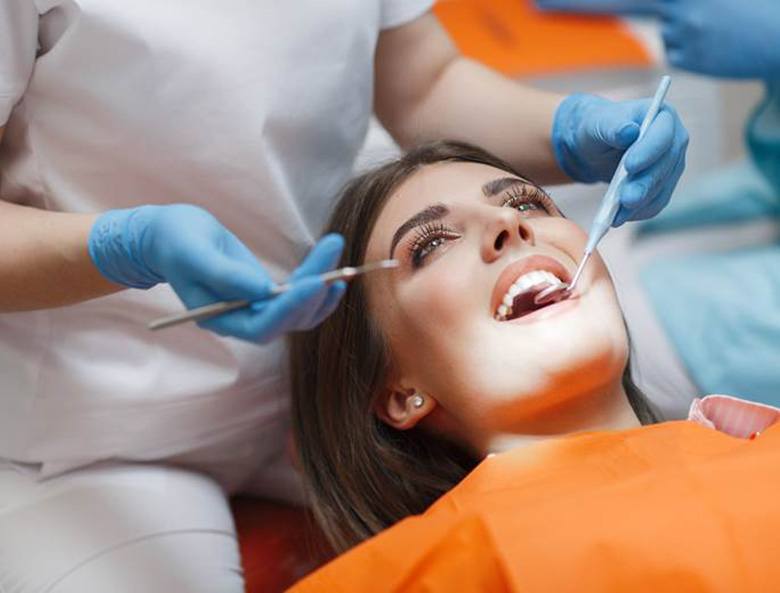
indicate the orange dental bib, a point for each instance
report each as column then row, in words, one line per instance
column 671, row 507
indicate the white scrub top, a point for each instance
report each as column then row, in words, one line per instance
column 253, row 109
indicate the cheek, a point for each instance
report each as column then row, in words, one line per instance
column 436, row 321
column 561, row 233
column 445, row 292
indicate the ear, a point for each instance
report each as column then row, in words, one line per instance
column 403, row 408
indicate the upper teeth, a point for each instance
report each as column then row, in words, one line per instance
column 522, row 284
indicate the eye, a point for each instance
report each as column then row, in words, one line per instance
column 529, row 200
column 428, row 239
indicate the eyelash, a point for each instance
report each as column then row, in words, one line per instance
column 424, row 242
column 518, row 195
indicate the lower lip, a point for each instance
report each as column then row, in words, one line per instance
column 547, row 312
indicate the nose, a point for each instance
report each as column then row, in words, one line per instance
column 506, row 229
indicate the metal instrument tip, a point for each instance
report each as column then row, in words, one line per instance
column 558, row 292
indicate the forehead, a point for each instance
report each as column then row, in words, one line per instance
column 449, row 183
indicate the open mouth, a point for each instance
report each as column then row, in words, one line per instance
column 520, row 282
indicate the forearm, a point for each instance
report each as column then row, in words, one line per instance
column 425, row 90
column 472, row 103
column 44, row 262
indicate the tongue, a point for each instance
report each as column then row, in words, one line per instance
column 524, row 302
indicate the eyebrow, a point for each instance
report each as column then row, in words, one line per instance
column 439, row 211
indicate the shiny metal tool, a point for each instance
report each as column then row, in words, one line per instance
column 219, row 308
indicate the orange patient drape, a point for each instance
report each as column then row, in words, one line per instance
column 516, row 38
column 664, row 508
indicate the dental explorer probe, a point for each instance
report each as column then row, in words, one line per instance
column 609, row 204
column 221, row 307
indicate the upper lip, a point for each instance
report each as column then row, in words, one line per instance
column 516, row 269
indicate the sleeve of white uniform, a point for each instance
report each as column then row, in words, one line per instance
column 399, row 12
column 18, row 46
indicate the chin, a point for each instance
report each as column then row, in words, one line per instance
column 525, row 408
column 521, row 376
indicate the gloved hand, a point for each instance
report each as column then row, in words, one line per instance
column 599, row 6
column 723, row 37
column 590, row 135
column 204, row 262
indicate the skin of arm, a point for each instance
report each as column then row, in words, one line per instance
column 425, row 90
column 44, row 262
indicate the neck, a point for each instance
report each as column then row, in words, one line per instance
column 606, row 409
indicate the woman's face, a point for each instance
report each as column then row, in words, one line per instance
column 464, row 233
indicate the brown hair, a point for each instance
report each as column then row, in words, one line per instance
column 362, row 475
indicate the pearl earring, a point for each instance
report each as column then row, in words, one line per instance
column 418, row 401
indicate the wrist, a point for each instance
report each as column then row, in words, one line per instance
column 565, row 137
column 115, row 245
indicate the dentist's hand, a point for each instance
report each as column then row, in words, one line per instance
column 590, row 135
column 204, row 262
column 723, row 37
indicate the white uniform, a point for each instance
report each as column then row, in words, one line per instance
column 253, row 109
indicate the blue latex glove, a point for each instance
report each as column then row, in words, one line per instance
column 723, row 37
column 204, row 262
column 599, row 6
column 590, row 135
